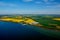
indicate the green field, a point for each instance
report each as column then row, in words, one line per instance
column 47, row 22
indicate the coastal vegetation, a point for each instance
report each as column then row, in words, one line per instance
column 49, row 22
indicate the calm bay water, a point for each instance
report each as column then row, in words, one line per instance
column 9, row 30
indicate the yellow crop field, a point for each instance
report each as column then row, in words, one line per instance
column 29, row 21
column 58, row 19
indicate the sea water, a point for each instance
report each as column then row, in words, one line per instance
column 10, row 30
